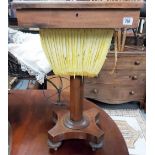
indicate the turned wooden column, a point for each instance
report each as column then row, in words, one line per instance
column 76, row 98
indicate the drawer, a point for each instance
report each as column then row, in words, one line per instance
column 119, row 77
column 114, row 93
column 125, row 61
column 76, row 18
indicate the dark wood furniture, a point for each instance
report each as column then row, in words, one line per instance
column 30, row 115
column 76, row 123
column 127, row 83
column 78, row 14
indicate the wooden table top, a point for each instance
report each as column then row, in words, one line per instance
column 30, row 118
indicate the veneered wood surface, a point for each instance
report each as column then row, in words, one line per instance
column 114, row 94
column 126, row 61
column 105, row 18
column 119, row 77
column 30, row 117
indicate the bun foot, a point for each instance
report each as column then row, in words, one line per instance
column 96, row 145
column 53, row 145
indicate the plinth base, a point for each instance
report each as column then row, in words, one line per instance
column 64, row 129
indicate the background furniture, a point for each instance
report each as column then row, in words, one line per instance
column 30, row 115
column 126, row 84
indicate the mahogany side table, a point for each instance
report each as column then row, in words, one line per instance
column 30, row 115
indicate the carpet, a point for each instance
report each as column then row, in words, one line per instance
column 131, row 123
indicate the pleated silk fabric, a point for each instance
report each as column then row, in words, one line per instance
column 76, row 52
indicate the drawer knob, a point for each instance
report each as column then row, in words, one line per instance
column 134, row 77
column 95, row 91
column 132, row 92
column 137, row 62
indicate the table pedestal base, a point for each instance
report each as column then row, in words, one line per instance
column 64, row 129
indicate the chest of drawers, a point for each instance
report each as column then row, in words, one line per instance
column 126, row 84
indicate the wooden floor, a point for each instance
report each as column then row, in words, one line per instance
column 30, row 117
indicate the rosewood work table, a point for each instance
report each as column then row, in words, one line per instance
column 80, row 119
